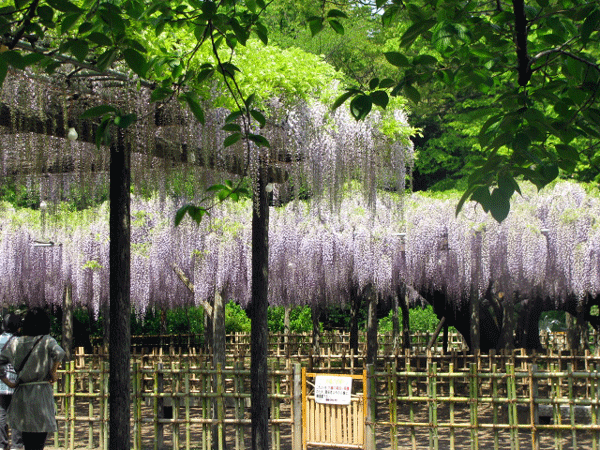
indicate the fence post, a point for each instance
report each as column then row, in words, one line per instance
column 473, row 399
column 137, row 406
column 432, row 405
column 71, row 405
column 393, row 403
column 158, row 407
column 534, row 410
column 297, row 409
column 371, row 405
column 219, row 412
column 104, row 397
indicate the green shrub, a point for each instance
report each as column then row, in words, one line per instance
column 236, row 320
column 300, row 319
column 421, row 319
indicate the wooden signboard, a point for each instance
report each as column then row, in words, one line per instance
column 333, row 415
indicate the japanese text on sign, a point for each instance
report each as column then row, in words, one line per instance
column 333, row 390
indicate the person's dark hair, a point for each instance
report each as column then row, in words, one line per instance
column 11, row 323
column 36, row 322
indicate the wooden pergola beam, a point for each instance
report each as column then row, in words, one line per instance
column 14, row 121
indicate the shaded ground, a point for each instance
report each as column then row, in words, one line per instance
column 408, row 437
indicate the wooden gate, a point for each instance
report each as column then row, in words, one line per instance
column 333, row 425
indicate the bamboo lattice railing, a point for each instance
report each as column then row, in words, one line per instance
column 453, row 401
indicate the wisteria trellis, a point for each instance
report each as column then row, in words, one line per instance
column 549, row 246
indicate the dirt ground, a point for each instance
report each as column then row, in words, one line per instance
column 407, row 437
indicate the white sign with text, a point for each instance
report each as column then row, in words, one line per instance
column 333, row 390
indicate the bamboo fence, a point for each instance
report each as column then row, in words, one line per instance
column 337, row 341
column 451, row 401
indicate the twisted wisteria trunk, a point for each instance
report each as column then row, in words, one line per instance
column 355, row 305
column 67, row 322
column 258, row 313
column 120, row 303
column 316, row 330
column 372, row 322
column 219, row 359
column 403, row 301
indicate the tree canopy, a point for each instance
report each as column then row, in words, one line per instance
column 535, row 65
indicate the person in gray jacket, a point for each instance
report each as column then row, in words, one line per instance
column 10, row 327
column 36, row 357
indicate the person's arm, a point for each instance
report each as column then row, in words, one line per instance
column 3, row 363
column 7, row 382
column 53, row 373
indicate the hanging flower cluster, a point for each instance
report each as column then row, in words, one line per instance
column 318, row 149
column 549, row 246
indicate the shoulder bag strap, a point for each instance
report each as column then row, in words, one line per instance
column 28, row 354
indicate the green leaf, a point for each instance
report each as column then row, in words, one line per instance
column 64, row 6
column 32, row 58
column 466, row 195
column 240, row 33
column 205, row 74
column 14, row 59
column 68, row 21
column 567, row 152
column 425, row 60
column 259, row 140
column 374, row 83
column 100, row 38
column 416, row 30
column 389, row 15
column 46, row 14
column 412, row 93
column 316, row 25
column 227, row 69
column 216, row 188
column 111, row 15
column 231, row 127
column 387, row 83
column 261, row 31
column 209, row 9
column 135, row 61
column 251, row 5
column 341, row 99
column 233, row 116
column 396, row 59
column 160, row 93
column 360, row 106
column 3, row 71
column 194, row 106
column 337, row 13
column 380, row 98
column 259, row 117
column 482, row 196
column 549, row 172
column 248, row 101
column 507, row 184
column 79, row 49
column 336, row 26
column 97, row 111
column 103, row 132
column 589, row 26
column 232, row 139
column 106, row 59
column 521, row 142
column 195, row 212
column 126, row 120
column 499, row 205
